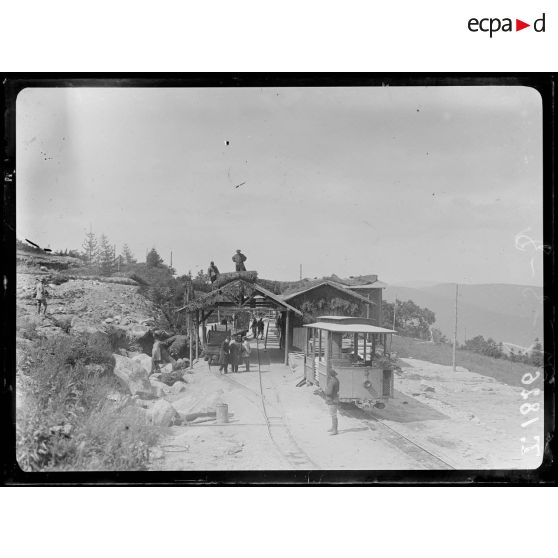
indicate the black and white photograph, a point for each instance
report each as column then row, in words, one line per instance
column 249, row 278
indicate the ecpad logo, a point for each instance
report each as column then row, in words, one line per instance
column 492, row 25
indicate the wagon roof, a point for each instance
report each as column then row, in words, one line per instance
column 347, row 324
column 342, row 288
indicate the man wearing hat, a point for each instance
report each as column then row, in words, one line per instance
column 41, row 295
column 213, row 272
column 239, row 258
column 332, row 400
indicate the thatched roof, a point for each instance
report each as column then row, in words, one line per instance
column 225, row 278
column 237, row 292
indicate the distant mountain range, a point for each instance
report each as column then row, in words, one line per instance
column 507, row 313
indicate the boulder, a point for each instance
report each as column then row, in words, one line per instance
column 144, row 360
column 132, row 375
column 163, row 414
column 171, row 378
column 167, row 368
column 159, row 389
column 178, row 387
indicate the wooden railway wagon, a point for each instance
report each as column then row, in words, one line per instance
column 212, row 348
column 350, row 347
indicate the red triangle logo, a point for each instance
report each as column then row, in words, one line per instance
column 519, row 25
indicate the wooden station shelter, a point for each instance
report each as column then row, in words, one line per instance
column 363, row 374
column 239, row 292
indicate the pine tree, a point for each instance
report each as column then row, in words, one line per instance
column 153, row 259
column 90, row 248
column 106, row 255
column 127, row 255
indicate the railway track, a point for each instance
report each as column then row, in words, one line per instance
column 284, row 442
column 419, row 453
column 278, row 431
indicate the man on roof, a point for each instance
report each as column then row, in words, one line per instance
column 213, row 272
column 239, row 258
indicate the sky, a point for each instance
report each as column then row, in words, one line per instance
column 439, row 184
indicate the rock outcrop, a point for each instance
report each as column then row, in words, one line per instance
column 133, row 376
column 163, row 414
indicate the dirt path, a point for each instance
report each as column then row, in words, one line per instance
column 295, row 438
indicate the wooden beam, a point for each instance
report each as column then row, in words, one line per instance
column 197, row 324
column 287, row 336
column 205, row 316
column 314, row 355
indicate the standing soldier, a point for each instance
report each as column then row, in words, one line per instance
column 254, row 327
column 261, row 328
column 245, row 353
column 332, row 400
column 224, row 354
column 41, row 294
column 239, row 258
column 234, row 353
column 213, row 272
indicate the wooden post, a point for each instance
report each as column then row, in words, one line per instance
column 287, row 336
column 266, row 332
column 373, row 351
column 189, row 328
column 197, row 334
column 455, row 329
column 190, row 341
column 314, row 355
column 355, row 346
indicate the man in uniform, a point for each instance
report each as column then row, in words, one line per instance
column 332, row 400
column 239, row 258
column 41, row 295
column 213, row 272
column 224, row 355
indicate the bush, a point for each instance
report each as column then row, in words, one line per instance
column 67, row 422
column 26, row 327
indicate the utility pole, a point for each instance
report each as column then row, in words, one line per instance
column 189, row 325
column 301, row 272
column 455, row 329
column 394, row 307
column 171, row 259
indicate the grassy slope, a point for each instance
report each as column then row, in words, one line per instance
column 502, row 370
